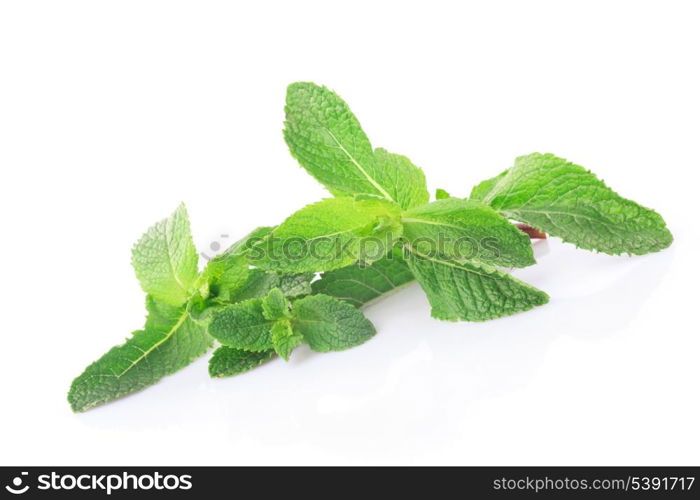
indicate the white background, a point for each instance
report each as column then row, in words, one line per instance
column 111, row 113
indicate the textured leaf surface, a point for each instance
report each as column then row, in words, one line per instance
column 327, row 140
column 165, row 259
column 471, row 291
column 259, row 283
column 332, row 233
column 284, row 339
column 170, row 341
column 248, row 241
column 465, row 229
column 294, row 285
column 226, row 274
column 359, row 284
column 242, row 326
column 227, row 361
column 328, row 324
column 405, row 180
column 570, row 202
column 481, row 190
column 274, row 305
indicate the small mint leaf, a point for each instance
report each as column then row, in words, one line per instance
column 165, row 259
column 328, row 324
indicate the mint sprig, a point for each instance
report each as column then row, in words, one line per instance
column 303, row 281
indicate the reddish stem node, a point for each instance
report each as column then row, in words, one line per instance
column 532, row 232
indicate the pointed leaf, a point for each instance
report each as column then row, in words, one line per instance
column 566, row 200
column 165, row 259
column 327, row 140
column 329, row 324
column 471, row 291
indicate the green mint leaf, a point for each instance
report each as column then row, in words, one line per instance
column 569, row 202
column 481, row 190
column 441, row 194
column 275, row 305
column 165, row 259
column 259, row 284
column 226, row 274
column 227, row 361
column 404, row 180
column 242, row 326
column 464, row 229
column 332, row 233
column 328, row 324
column 361, row 284
column 284, row 339
column 248, row 241
column 471, row 291
column 327, row 140
column 294, row 285
column 170, row 341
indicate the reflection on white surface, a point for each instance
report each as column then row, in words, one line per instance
column 416, row 382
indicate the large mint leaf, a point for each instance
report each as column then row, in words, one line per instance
column 165, row 259
column 463, row 229
column 361, row 284
column 570, row 202
column 227, row 361
column 242, row 326
column 327, row 140
column 481, row 190
column 170, row 341
column 471, row 291
column 332, row 233
column 251, row 239
column 328, row 324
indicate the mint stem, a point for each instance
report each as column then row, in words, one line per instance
column 532, row 232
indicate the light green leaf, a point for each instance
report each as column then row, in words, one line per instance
column 227, row 361
column 471, row 291
column 226, row 274
column 327, row 140
column 332, row 233
column 165, row 259
column 567, row 201
column 463, row 229
column 441, row 194
column 284, row 339
column 248, row 241
column 481, row 190
column 405, row 181
column 274, row 305
column 242, row 326
column 170, row 341
column 328, row 324
column 360, row 284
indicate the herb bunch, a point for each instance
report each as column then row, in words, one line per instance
column 305, row 280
